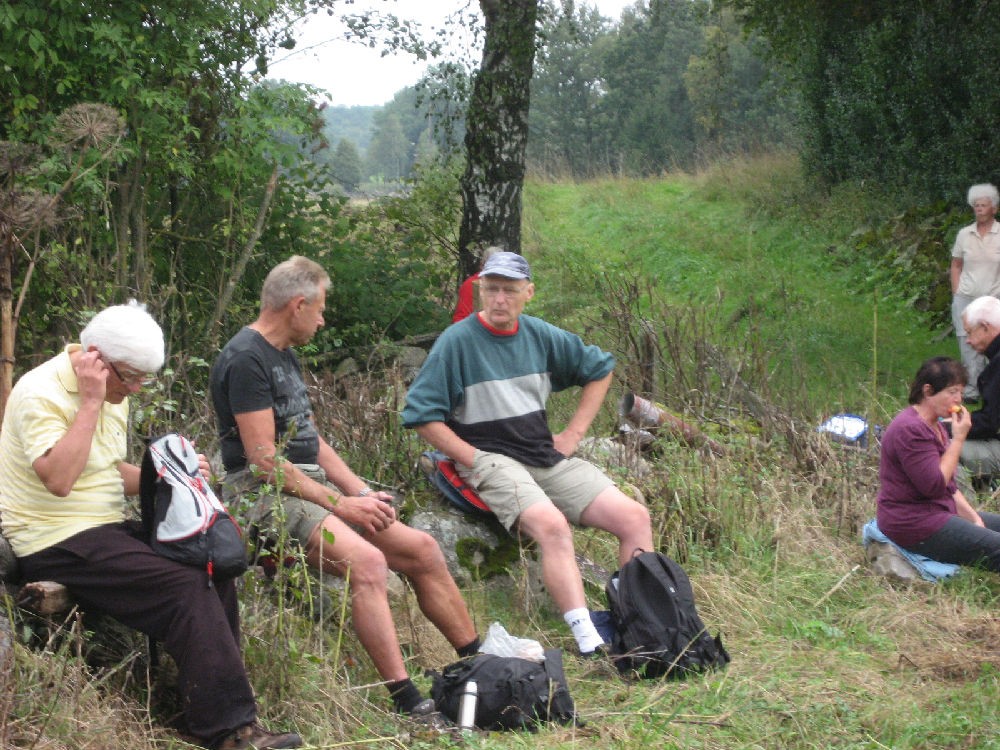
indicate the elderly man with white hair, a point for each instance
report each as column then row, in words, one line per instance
column 975, row 271
column 63, row 481
column 981, row 325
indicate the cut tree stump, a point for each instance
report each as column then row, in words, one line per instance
column 44, row 598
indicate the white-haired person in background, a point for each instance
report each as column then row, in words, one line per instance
column 981, row 451
column 975, row 271
column 63, row 482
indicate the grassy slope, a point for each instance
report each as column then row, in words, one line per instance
column 707, row 246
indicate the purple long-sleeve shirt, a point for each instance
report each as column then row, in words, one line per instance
column 914, row 501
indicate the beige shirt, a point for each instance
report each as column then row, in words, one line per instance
column 980, row 261
column 40, row 410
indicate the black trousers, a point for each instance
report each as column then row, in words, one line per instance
column 963, row 543
column 108, row 569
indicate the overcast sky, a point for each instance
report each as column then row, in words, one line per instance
column 354, row 74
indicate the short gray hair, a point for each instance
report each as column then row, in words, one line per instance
column 296, row 277
column 126, row 334
column 984, row 309
column 984, row 190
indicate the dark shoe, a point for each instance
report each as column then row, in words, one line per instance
column 426, row 707
column 599, row 663
column 601, row 652
column 255, row 737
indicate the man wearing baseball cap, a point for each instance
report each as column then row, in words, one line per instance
column 480, row 398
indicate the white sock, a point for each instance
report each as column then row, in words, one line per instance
column 587, row 637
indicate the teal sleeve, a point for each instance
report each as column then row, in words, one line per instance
column 574, row 363
column 433, row 395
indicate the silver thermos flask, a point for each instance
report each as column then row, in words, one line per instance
column 467, row 706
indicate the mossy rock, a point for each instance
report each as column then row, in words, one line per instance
column 484, row 561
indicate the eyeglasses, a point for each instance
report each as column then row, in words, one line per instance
column 139, row 378
column 508, row 290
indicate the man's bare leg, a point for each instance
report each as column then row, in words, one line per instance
column 546, row 524
column 369, row 604
column 614, row 511
column 417, row 555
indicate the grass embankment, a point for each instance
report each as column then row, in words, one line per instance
column 733, row 263
column 748, row 243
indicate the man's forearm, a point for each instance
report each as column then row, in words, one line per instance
column 442, row 437
column 292, row 480
column 591, row 398
column 60, row 466
column 337, row 470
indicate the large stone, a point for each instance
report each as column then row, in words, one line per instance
column 885, row 560
column 346, row 367
column 611, row 454
column 473, row 548
column 410, row 359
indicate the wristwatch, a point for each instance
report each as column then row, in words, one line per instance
column 365, row 491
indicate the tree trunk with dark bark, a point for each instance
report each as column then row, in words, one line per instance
column 497, row 132
column 6, row 313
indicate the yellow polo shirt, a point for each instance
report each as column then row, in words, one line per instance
column 40, row 410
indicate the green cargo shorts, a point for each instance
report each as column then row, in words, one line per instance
column 301, row 517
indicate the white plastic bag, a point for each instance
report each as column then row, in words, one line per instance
column 501, row 643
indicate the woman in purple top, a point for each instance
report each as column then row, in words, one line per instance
column 919, row 506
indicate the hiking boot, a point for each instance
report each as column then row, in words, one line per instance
column 599, row 663
column 426, row 707
column 601, row 652
column 255, row 737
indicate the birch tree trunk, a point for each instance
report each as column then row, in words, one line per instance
column 497, row 132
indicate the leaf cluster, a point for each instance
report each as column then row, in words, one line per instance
column 889, row 92
column 674, row 82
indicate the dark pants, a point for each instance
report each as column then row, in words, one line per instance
column 107, row 569
column 963, row 543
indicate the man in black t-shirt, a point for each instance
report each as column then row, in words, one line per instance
column 261, row 403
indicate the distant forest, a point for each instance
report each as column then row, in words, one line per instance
column 672, row 83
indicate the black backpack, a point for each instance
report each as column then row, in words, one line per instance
column 181, row 516
column 512, row 693
column 658, row 628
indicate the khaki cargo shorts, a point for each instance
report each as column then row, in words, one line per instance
column 509, row 487
column 301, row 517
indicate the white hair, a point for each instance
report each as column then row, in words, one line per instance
column 983, row 310
column 984, row 190
column 126, row 334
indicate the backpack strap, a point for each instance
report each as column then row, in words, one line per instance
column 147, row 491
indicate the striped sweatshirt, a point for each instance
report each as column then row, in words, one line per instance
column 491, row 387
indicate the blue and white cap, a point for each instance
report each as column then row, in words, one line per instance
column 508, row 265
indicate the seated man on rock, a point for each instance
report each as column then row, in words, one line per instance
column 261, row 401
column 63, row 481
column 981, row 452
column 480, row 398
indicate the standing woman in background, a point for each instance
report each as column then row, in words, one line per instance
column 975, row 272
